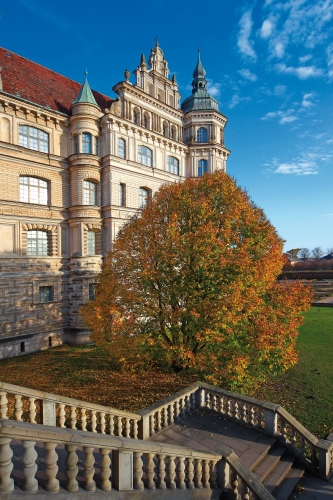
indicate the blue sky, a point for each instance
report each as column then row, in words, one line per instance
column 269, row 63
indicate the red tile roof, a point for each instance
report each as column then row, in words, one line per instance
column 41, row 85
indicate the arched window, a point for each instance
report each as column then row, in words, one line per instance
column 145, row 121
column 202, row 135
column 37, row 242
column 145, row 156
column 122, row 194
column 86, row 143
column 144, row 195
column 173, row 165
column 135, row 117
column 33, row 138
column 33, row 190
column 121, row 148
column 202, row 167
column 165, row 129
column 89, row 193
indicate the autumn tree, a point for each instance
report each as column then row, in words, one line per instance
column 190, row 284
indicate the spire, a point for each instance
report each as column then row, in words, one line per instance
column 199, row 71
column 85, row 95
column 143, row 64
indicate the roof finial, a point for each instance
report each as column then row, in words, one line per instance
column 198, row 43
column 156, row 41
column 86, row 73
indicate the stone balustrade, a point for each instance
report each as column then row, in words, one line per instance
column 55, row 459
column 29, row 405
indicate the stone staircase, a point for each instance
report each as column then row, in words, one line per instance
column 200, row 443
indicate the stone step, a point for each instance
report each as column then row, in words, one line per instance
column 275, row 478
column 269, row 462
column 256, row 453
column 288, row 484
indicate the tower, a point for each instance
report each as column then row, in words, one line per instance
column 203, row 128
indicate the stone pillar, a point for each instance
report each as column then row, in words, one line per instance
column 122, row 470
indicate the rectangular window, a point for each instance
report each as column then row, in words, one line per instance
column 22, row 347
column 86, row 143
column 45, row 293
column 122, row 194
column 37, row 242
column 89, row 193
column 91, row 243
column 92, row 291
column 33, row 190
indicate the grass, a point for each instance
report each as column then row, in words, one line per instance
column 87, row 373
column 306, row 390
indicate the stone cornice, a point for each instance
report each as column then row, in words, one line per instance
column 18, row 103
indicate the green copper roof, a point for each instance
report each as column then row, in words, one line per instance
column 200, row 98
column 85, row 94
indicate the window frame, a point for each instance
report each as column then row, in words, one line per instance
column 122, row 141
column 144, row 157
column 42, row 244
column 173, row 165
column 89, row 193
column 202, row 135
column 50, row 289
column 28, row 140
column 86, row 143
column 41, row 190
column 91, row 243
column 202, row 164
column 144, row 196
column 122, row 194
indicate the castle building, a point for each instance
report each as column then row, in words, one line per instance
column 74, row 165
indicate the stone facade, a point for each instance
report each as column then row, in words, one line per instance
column 74, row 165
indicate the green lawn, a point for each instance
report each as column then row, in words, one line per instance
column 87, row 373
column 306, row 390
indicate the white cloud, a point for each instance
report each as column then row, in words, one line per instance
column 244, row 43
column 279, row 49
column 307, row 100
column 237, row 99
column 305, row 59
column 214, row 88
column 284, row 116
column 267, row 28
column 302, row 72
column 297, row 168
column 246, row 73
column 279, row 90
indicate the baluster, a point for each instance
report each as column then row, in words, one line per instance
column 229, row 407
column 158, row 421
column 246, row 493
column 190, row 473
column 127, row 427
column 259, row 416
column 181, row 473
column 29, row 466
column 176, row 410
column 111, row 424
column 83, row 420
column 252, row 415
column 171, row 417
column 89, row 469
column 150, row 471
column 102, row 423
column 234, row 486
column 197, row 473
column 93, row 421
column 161, row 472
column 314, row 455
column 137, row 466
column 302, row 446
column 51, row 468
column 236, row 410
column 32, row 411
column 292, row 436
column 152, row 424
column 182, row 407
column 73, row 417
column 188, row 405
column 171, row 472
column 193, row 401
column 6, row 465
column 284, row 429
column 119, row 426
column 3, row 405
column 243, row 412
column 165, row 416
column 214, row 402
column 213, row 474
column 207, row 400
column 71, row 468
column 62, row 415
column 18, row 407
column 105, row 472
column 135, row 429
column 206, row 474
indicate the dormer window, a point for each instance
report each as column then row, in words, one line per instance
column 33, row 138
column 202, row 135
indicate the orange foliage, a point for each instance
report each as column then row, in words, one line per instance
column 190, row 283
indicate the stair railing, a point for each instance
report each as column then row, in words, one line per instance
column 38, row 407
column 51, row 458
